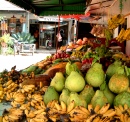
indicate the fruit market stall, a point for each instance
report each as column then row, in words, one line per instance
column 84, row 81
column 86, row 84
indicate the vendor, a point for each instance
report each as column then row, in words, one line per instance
column 36, row 36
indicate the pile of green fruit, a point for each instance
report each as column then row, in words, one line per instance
column 72, row 96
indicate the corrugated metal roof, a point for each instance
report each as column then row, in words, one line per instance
column 52, row 7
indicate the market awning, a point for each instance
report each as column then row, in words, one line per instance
column 53, row 7
column 75, row 16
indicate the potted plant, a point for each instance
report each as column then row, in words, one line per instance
column 6, row 44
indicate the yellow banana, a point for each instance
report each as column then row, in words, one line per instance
column 76, row 118
column 42, row 104
column 38, row 120
column 4, row 119
column 90, row 107
column 79, row 111
column 121, row 108
column 126, row 106
column 71, row 106
column 96, row 119
column 13, row 118
column 13, row 88
column 109, row 113
column 24, row 106
column 54, row 119
column 118, row 111
column 91, row 117
column 8, row 96
column 104, row 108
column 8, row 83
column 39, row 111
column 104, row 119
column 63, row 106
column 49, row 104
column 126, row 33
column 57, row 106
column 31, row 114
column 126, row 117
column 121, row 19
column 84, row 110
column 97, row 108
column 38, row 107
column 32, row 104
column 26, row 89
column 37, row 97
column 122, row 117
column 120, row 34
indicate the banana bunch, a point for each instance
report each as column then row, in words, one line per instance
column 25, row 106
column 34, row 114
column 27, row 88
column 100, row 114
column 18, row 98
column 37, row 101
column 55, row 110
column 115, row 21
column 79, row 114
column 59, row 111
column 40, row 117
column 1, row 93
column 12, row 115
column 10, row 86
column 123, row 113
column 123, row 35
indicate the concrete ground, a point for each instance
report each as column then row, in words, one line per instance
column 23, row 60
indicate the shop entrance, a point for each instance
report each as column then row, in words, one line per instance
column 34, row 30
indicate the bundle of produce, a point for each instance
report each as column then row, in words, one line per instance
column 71, row 97
column 98, row 31
column 115, row 21
column 123, row 35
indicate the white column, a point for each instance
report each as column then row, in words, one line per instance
column 128, row 42
column 27, row 22
column 69, row 30
column 115, row 32
column 75, row 31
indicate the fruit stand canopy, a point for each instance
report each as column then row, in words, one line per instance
column 52, row 7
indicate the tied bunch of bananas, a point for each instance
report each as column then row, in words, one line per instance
column 38, row 113
column 56, row 111
column 9, row 86
column 122, row 113
column 100, row 114
column 27, row 88
column 123, row 35
column 61, row 112
column 13, row 115
column 30, row 101
column 17, row 98
column 115, row 21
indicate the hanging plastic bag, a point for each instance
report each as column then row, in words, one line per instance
column 59, row 37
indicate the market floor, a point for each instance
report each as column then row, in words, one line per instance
column 23, row 60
